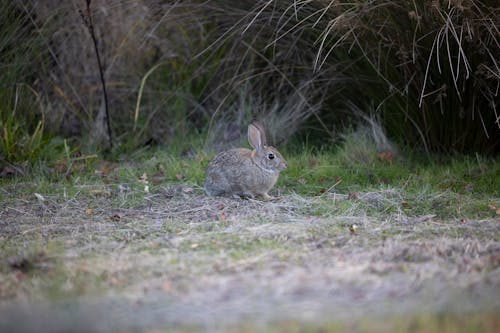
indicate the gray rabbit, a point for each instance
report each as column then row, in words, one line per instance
column 245, row 172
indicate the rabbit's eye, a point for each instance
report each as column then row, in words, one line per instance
column 270, row 156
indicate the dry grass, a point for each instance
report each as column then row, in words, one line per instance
column 180, row 260
column 424, row 70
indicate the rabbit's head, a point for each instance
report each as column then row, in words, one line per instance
column 266, row 157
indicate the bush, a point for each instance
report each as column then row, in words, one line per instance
column 428, row 70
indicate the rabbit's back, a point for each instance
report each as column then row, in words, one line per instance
column 233, row 172
column 223, row 171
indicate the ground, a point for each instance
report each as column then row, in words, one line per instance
column 100, row 256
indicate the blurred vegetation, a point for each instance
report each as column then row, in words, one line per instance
column 21, row 118
column 425, row 73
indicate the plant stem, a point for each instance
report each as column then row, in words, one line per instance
column 90, row 27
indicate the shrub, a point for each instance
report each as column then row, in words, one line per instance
column 429, row 69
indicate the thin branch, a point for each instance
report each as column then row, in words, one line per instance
column 89, row 23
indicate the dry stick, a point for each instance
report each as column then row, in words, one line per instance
column 90, row 26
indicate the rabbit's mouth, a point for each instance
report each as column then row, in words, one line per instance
column 273, row 170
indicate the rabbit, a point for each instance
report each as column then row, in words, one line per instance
column 242, row 172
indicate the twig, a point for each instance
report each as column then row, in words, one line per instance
column 87, row 19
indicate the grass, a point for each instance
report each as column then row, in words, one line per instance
column 361, row 229
column 412, row 184
column 361, row 236
column 424, row 70
column 22, row 121
column 416, row 186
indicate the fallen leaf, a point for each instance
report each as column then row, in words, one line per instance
column 144, row 178
column 61, row 166
column 89, row 211
column 386, row 156
column 179, row 176
column 114, row 281
column 405, row 204
column 495, row 209
column 352, row 195
column 158, row 178
column 105, row 170
column 222, row 216
column 103, row 193
column 166, row 286
column 39, row 197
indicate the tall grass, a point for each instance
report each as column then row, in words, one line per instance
column 21, row 114
column 426, row 70
column 217, row 81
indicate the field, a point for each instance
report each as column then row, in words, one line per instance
column 387, row 218
column 401, row 245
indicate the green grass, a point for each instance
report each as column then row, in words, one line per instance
column 94, row 229
column 458, row 187
column 332, row 169
column 337, row 182
column 23, row 137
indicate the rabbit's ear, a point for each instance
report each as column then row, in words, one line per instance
column 255, row 136
column 259, row 126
